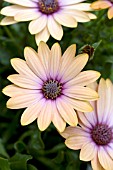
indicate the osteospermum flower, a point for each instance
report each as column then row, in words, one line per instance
column 51, row 86
column 95, row 136
column 47, row 16
column 104, row 4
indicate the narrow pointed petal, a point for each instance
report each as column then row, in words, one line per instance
column 38, row 25
column 67, row 112
column 32, row 113
column 27, row 15
column 33, row 61
column 45, row 116
column 87, row 152
column 75, row 67
column 25, row 82
column 22, row 101
column 81, row 93
column 57, row 120
column 110, row 13
column 84, row 78
column 55, row 60
column 104, row 158
column 101, row 4
column 42, row 36
column 55, row 28
column 66, row 20
column 8, row 21
column 96, row 164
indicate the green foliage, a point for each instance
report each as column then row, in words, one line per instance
column 26, row 148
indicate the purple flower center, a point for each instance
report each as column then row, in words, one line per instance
column 52, row 89
column 101, row 134
column 48, row 6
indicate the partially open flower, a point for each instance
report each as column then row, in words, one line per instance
column 95, row 135
column 104, row 4
column 51, row 86
column 47, row 16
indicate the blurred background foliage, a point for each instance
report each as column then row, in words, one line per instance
column 26, row 148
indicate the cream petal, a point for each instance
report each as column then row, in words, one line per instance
column 76, row 142
column 84, row 120
column 45, row 116
column 65, row 19
column 25, row 81
column 11, row 10
column 109, row 150
column 74, row 131
column 67, row 112
column 88, row 151
column 92, row 116
column 54, row 28
column 57, row 120
column 101, row 4
column 91, row 16
column 34, row 63
column 75, row 67
column 79, row 105
column 96, row 164
column 42, row 36
column 8, row 21
column 110, row 13
column 22, row 68
column 27, row 15
column 38, row 25
column 101, row 103
column 32, row 112
column 79, row 16
column 26, row 3
column 81, row 7
column 67, row 2
column 44, row 56
column 67, row 59
column 81, row 93
column 104, row 158
column 22, row 101
column 55, row 60
column 84, row 78
column 12, row 91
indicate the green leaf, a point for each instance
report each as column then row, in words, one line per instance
column 31, row 167
column 4, row 164
column 2, row 150
column 19, row 146
column 19, row 161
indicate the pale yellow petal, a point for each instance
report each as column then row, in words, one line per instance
column 55, row 60
column 38, row 25
column 45, row 116
column 34, row 63
column 55, row 29
column 81, row 93
column 66, row 20
column 104, row 159
column 75, row 67
column 101, row 4
column 25, row 81
column 67, row 112
column 42, row 36
column 26, row 3
column 22, row 101
column 32, row 112
column 8, row 21
column 84, row 78
column 88, row 151
column 110, row 13
column 27, row 15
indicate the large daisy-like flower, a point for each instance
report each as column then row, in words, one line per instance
column 104, row 4
column 47, row 16
column 95, row 135
column 51, row 86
